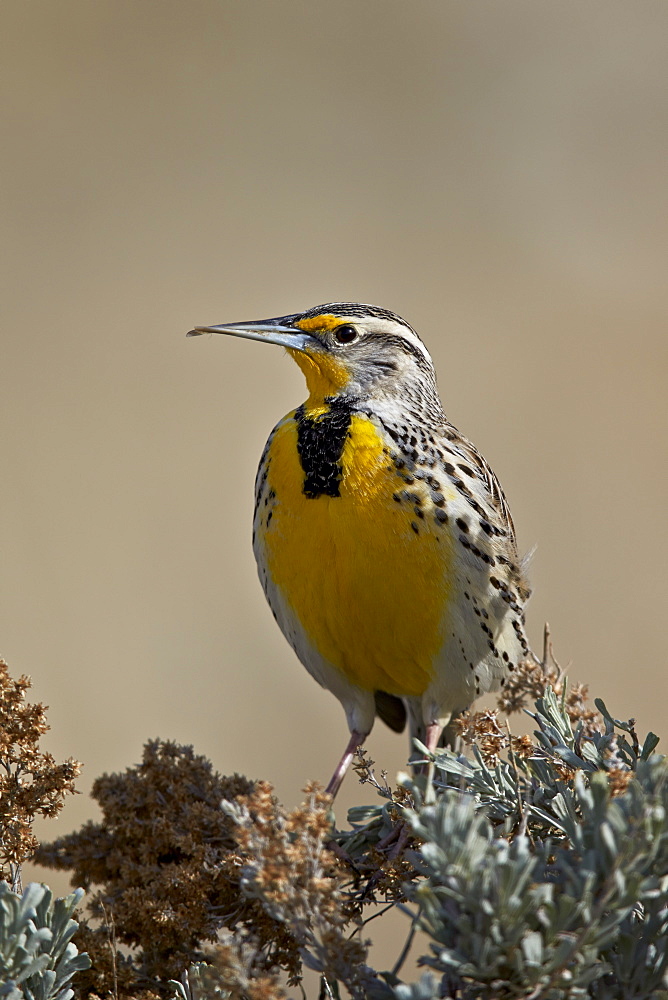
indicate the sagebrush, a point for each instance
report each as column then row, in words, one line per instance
column 535, row 867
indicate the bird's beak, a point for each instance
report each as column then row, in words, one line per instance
column 279, row 331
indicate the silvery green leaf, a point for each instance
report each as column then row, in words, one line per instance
column 648, row 746
column 426, row 989
column 571, row 758
column 35, row 942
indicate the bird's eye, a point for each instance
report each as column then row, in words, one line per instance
column 345, row 334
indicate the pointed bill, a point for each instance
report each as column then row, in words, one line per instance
column 273, row 331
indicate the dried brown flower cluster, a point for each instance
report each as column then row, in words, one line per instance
column 483, row 729
column 528, row 682
column 232, row 968
column 163, row 859
column 300, row 882
column 619, row 774
column 183, row 853
column 31, row 783
column 378, row 853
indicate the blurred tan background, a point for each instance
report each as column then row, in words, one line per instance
column 496, row 173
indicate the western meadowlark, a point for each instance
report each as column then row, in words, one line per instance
column 383, row 539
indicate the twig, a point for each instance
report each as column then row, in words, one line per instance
column 111, row 935
column 15, row 875
column 325, row 989
column 373, row 916
column 524, row 818
column 407, row 946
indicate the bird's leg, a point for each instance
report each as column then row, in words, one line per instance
column 356, row 740
column 433, row 735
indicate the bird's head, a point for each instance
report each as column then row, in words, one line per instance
column 346, row 349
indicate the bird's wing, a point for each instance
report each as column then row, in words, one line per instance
column 493, row 491
column 491, row 498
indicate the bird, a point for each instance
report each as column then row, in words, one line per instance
column 383, row 540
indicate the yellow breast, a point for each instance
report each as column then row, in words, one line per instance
column 368, row 579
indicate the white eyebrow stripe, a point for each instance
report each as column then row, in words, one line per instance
column 400, row 333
